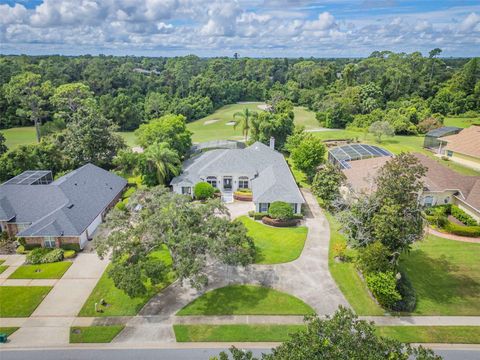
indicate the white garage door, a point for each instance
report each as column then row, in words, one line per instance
column 83, row 240
column 93, row 226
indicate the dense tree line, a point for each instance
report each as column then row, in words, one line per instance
column 402, row 88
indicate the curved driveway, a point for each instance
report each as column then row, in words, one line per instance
column 307, row 278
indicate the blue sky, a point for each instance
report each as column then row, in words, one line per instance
column 259, row 28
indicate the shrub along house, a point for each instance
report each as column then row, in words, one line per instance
column 61, row 213
column 258, row 167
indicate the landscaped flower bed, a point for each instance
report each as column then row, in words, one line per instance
column 437, row 216
column 280, row 223
column 243, row 195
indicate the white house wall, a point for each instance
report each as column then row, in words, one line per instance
column 93, row 226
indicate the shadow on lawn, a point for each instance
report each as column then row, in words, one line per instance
column 226, row 301
column 437, row 279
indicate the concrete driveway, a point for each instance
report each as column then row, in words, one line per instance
column 239, row 208
column 307, row 278
column 49, row 325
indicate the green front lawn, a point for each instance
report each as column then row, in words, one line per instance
column 246, row 300
column 119, row 303
column 445, row 275
column 3, row 268
column 275, row 245
column 235, row 333
column 461, row 122
column 94, row 334
column 8, row 330
column 19, row 136
column 21, row 301
column 432, row 334
column 346, row 275
column 41, row 271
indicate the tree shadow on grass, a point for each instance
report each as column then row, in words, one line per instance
column 437, row 279
column 230, row 300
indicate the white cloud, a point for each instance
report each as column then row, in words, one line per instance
column 218, row 27
column 471, row 23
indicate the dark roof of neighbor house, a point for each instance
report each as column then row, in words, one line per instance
column 438, row 178
column 443, row 131
column 65, row 207
column 267, row 169
column 465, row 142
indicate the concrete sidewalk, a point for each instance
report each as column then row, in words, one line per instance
column 49, row 325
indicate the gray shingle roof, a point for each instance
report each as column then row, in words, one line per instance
column 271, row 177
column 67, row 206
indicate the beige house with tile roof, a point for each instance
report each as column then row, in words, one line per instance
column 463, row 147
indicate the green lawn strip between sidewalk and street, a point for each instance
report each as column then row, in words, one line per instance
column 41, row 271
column 94, row 334
column 246, row 300
column 432, row 334
column 21, row 301
column 235, row 333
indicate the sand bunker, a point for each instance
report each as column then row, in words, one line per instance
column 208, row 122
column 230, row 123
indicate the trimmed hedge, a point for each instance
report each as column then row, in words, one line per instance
column 469, row 231
column 278, row 222
column 462, row 216
column 383, row 286
column 44, row 256
column 75, row 247
column 242, row 196
column 69, row 254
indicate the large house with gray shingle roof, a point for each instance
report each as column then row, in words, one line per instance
column 58, row 213
column 257, row 167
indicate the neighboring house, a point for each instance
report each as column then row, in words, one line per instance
column 58, row 213
column 442, row 185
column 463, row 147
column 433, row 138
column 257, row 167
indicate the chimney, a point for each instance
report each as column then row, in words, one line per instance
column 272, row 143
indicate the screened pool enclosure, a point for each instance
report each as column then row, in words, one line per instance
column 342, row 155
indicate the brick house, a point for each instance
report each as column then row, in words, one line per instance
column 61, row 213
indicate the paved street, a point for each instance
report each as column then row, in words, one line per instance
column 467, row 353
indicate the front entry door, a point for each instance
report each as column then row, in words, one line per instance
column 227, row 183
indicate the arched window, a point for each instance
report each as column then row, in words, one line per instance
column 243, row 182
column 212, row 180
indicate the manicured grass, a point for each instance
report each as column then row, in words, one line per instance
column 8, row 330
column 94, row 334
column 41, row 271
column 129, row 137
column 246, row 300
column 21, row 301
column 346, row 276
column 432, row 334
column 445, row 275
column 275, row 245
column 119, row 303
column 19, row 136
column 235, row 333
column 3, row 268
column 305, row 117
column 460, row 122
column 207, row 129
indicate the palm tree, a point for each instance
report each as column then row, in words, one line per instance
column 244, row 120
column 163, row 161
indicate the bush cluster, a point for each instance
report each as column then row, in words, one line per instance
column 383, row 286
column 280, row 210
column 44, row 256
column 406, row 290
column 374, row 258
column 203, row 191
column 469, row 231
